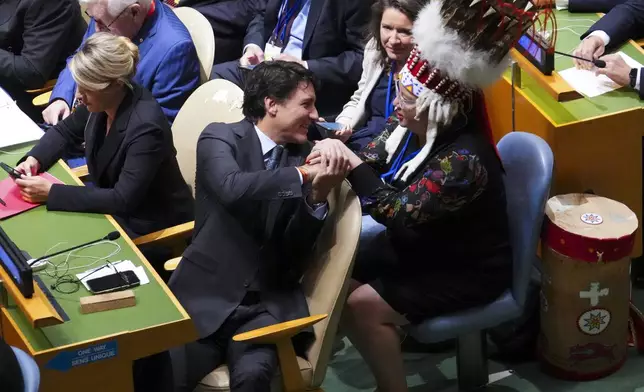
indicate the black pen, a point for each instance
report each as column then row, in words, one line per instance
column 3, row 203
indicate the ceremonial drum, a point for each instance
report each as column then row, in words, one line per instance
column 585, row 287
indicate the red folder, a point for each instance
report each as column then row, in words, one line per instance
column 10, row 194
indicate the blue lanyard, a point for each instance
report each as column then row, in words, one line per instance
column 284, row 18
column 399, row 161
column 389, row 105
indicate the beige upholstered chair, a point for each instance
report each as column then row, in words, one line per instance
column 325, row 285
column 214, row 101
column 203, row 37
column 83, row 7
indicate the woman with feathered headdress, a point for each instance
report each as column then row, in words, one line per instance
column 435, row 182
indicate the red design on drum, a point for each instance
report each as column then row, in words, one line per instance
column 588, row 351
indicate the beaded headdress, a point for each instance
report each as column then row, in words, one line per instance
column 461, row 46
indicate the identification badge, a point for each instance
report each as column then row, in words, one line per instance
column 271, row 51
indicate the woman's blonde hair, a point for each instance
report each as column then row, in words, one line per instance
column 104, row 59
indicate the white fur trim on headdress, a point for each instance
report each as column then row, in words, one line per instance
column 393, row 141
column 439, row 112
column 445, row 50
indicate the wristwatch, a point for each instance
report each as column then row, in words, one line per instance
column 633, row 77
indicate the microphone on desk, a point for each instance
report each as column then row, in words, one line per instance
column 109, row 237
column 598, row 63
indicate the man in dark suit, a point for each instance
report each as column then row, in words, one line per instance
column 259, row 210
column 581, row 6
column 229, row 20
column 36, row 36
column 325, row 36
column 625, row 21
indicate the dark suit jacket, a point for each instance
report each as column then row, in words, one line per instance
column 625, row 21
column 333, row 45
column 253, row 230
column 585, row 6
column 36, row 36
column 229, row 20
column 10, row 374
column 135, row 172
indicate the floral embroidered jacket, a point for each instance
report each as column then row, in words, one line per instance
column 453, row 207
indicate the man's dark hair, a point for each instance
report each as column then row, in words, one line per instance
column 274, row 79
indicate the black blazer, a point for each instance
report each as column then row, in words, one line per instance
column 36, row 36
column 253, row 230
column 135, row 171
column 586, row 6
column 333, row 45
column 10, row 374
column 229, row 20
column 625, row 21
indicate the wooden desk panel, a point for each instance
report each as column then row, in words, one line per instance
column 157, row 323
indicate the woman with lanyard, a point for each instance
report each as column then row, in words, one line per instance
column 371, row 106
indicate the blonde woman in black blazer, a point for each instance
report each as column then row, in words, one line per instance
column 128, row 145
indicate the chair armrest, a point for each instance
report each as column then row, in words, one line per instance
column 42, row 100
column 181, row 231
column 278, row 332
column 171, row 264
column 49, row 85
column 81, row 171
column 280, row 335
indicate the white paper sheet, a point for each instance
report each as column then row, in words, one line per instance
column 591, row 85
column 121, row 266
column 15, row 126
column 5, row 99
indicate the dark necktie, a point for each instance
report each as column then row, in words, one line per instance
column 289, row 23
column 276, row 156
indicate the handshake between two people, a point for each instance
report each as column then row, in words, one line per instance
column 328, row 164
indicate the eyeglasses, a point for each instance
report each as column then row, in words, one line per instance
column 407, row 102
column 103, row 26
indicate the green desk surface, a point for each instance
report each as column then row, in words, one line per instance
column 569, row 28
column 37, row 230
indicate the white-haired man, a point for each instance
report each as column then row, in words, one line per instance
column 168, row 66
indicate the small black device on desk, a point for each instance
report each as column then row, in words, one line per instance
column 13, row 173
column 114, row 282
column 537, row 52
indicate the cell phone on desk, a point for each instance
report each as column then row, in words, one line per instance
column 13, row 173
column 114, row 282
